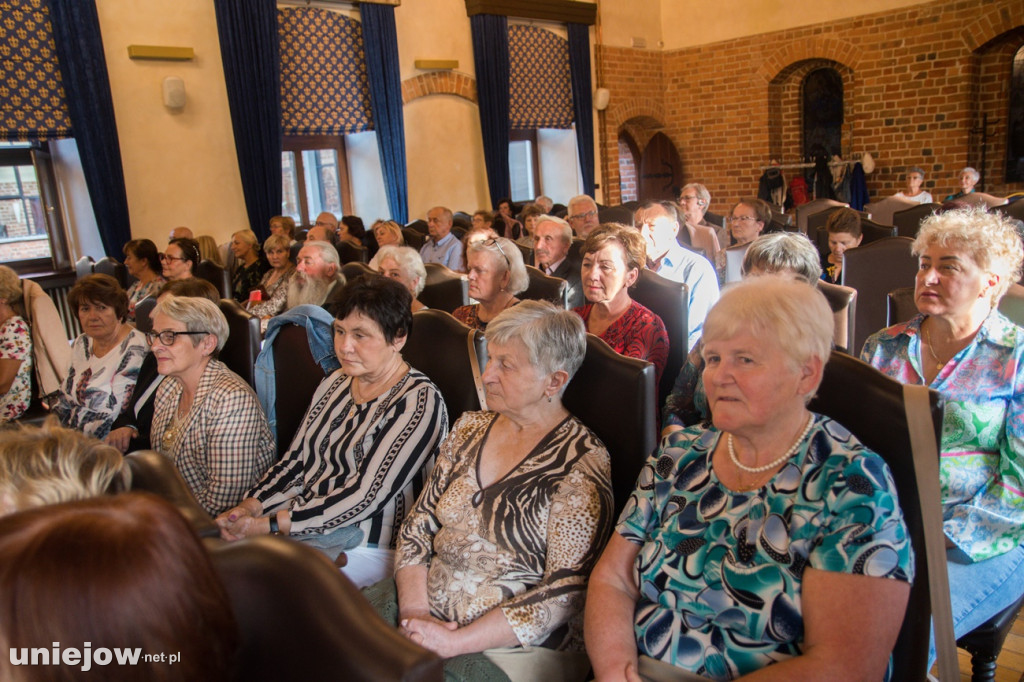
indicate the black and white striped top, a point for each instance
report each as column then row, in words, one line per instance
column 358, row 465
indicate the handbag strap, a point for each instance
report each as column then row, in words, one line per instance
column 926, row 470
column 474, row 363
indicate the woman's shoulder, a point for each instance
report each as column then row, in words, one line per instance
column 15, row 325
column 135, row 338
column 893, row 334
column 834, row 444
column 222, row 380
column 998, row 329
column 418, row 381
column 644, row 314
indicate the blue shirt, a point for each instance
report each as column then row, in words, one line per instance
column 446, row 252
column 693, row 270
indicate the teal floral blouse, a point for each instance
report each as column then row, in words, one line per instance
column 719, row 572
column 982, row 466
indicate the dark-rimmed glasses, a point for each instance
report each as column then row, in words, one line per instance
column 168, row 337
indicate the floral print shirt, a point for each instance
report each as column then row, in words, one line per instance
column 719, row 572
column 139, row 291
column 16, row 344
column 981, row 471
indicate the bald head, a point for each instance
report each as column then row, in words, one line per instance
column 181, row 233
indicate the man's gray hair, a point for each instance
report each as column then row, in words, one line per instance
column 328, row 253
column 564, row 224
column 197, row 314
column 408, row 261
column 701, row 191
column 784, row 252
column 554, row 339
column 582, row 199
column 507, row 255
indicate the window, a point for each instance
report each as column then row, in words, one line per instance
column 523, row 166
column 31, row 233
column 1015, row 127
column 315, row 177
column 823, row 113
column 544, row 161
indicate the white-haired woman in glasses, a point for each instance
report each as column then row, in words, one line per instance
column 496, row 275
column 206, row 418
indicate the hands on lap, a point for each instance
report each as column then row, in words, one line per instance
column 242, row 521
column 443, row 638
column 120, row 438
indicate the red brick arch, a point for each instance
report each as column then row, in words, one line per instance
column 804, row 49
column 439, row 83
column 993, row 23
column 639, row 107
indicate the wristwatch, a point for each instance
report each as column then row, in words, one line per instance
column 275, row 529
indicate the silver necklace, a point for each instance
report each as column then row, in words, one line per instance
column 771, row 465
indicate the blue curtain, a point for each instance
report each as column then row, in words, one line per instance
column 579, row 69
column 249, row 50
column 490, row 56
column 381, row 44
column 83, row 68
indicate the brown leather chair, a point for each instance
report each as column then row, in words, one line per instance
column 445, row 289
column 546, row 288
column 413, row 238
column 300, row 619
column 810, row 208
column 143, row 313
column 1012, row 304
column 153, row 473
column 843, row 302
column 882, row 211
column 670, row 301
column 219, row 277
column 615, row 214
column 109, row 266
column 874, row 270
column 900, row 305
column 350, row 253
column 614, row 395
column 526, row 251
column 244, row 339
column 355, row 270
column 296, row 378
column 870, row 405
column 418, row 225
column 1014, row 209
column 909, row 220
column 982, row 199
column 438, row 347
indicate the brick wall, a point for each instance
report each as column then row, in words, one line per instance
column 628, row 187
column 916, row 81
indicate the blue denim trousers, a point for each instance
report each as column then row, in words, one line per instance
column 980, row 590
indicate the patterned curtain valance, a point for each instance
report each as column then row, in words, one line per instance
column 540, row 89
column 32, row 104
column 324, row 86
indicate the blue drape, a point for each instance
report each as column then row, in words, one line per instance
column 380, row 40
column 490, row 56
column 249, row 51
column 83, row 68
column 579, row 70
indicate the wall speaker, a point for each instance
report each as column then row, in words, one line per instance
column 174, row 92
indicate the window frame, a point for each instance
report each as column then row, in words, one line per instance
column 301, row 143
column 37, row 154
column 529, row 135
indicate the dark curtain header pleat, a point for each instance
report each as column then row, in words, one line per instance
column 491, row 58
column 579, row 65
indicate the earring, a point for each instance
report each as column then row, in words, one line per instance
column 549, row 399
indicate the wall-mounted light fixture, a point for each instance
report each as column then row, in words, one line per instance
column 163, row 52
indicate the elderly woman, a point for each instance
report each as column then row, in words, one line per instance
column 787, row 254
column 968, row 179
column 495, row 555
column 105, row 359
column 15, row 349
column 142, row 261
column 746, row 222
column 404, row 265
column 774, row 538
column 915, row 190
column 529, row 215
column 206, row 419
column 694, row 200
column 48, row 464
column 387, row 233
column 273, row 287
column 120, row 571
column 284, row 226
column 961, row 346
column 613, row 256
column 496, row 275
column 249, row 267
column 180, row 259
column 364, row 448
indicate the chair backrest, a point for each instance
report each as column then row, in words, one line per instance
column 843, row 302
column 526, row 251
column 882, row 210
column 670, row 301
column 419, row 225
column 874, row 270
column 296, row 377
column 982, row 199
column 350, row 253
column 244, row 339
column 413, row 238
column 143, row 314
column 714, row 219
column 445, row 289
column 909, row 220
column 900, row 305
column 438, row 347
column 546, row 288
column 459, row 232
column 216, row 275
column 355, row 270
column 615, row 214
column 614, row 396
column 1012, row 304
column 734, row 256
column 83, row 267
column 810, row 208
column 153, row 473
column 109, row 266
column 1014, row 209
column 300, row 619
column 870, row 405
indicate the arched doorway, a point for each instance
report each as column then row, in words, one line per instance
column 661, row 170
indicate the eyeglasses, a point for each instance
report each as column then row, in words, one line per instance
column 740, row 219
column 688, row 197
column 582, row 216
column 494, row 242
column 168, row 337
column 324, row 223
column 164, row 256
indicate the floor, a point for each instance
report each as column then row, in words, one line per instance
column 1010, row 664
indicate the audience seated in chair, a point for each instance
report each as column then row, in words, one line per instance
column 553, row 255
column 317, row 277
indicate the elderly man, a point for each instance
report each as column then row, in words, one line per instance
column 544, row 202
column 659, row 225
column 694, row 200
column 322, row 233
column 552, row 238
column 317, row 276
column 443, row 247
column 181, row 232
column 582, row 215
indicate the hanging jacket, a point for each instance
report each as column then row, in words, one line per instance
column 858, row 187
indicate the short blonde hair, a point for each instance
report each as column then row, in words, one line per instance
column 389, row 226
column 197, row 314
column 634, row 248
column 10, row 285
column 792, row 314
column 989, row 239
column 276, row 241
column 249, row 237
column 48, row 464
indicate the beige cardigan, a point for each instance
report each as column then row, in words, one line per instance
column 50, row 348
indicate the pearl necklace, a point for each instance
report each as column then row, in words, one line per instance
column 771, row 465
